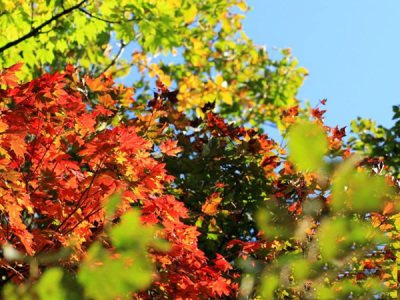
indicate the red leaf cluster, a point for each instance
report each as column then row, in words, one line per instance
column 62, row 155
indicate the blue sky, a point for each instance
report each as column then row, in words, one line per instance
column 350, row 48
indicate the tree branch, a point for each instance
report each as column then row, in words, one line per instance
column 121, row 49
column 36, row 30
column 32, row 12
column 104, row 20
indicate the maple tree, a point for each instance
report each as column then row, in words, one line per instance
column 66, row 149
column 61, row 161
column 111, row 192
column 119, row 37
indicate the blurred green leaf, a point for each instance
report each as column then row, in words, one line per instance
column 336, row 236
column 112, row 203
column 324, row 293
column 107, row 277
column 50, row 285
column 307, row 145
column 130, row 234
column 273, row 222
column 357, row 191
column 301, row 269
column 269, row 284
column 14, row 292
column 328, row 235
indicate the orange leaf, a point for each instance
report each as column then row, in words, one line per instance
column 210, row 207
column 169, row 148
column 3, row 126
column 388, row 208
column 18, row 145
column 96, row 84
column 8, row 77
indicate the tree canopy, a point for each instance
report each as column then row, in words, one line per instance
column 217, row 61
column 171, row 188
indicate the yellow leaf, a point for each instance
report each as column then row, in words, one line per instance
column 153, row 70
column 302, row 70
column 190, row 14
column 197, row 44
column 242, row 5
column 199, row 112
column 196, row 61
column 244, row 36
column 166, row 80
column 182, row 88
column 219, row 80
column 227, row 97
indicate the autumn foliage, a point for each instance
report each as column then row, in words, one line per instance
column 171, row 188
column 66, row 149
column 60, row 165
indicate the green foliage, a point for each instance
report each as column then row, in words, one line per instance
column 54, row 284
column 357, row 191
column 377, row 141
column 307, row 145
column 112, row 204
column 108, row 275
column 119, row 36
column 318, row 222
column 327, row 242
column 49, row 286
column 269, row 285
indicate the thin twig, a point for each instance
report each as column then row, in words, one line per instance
column 104, row 20
column 121, row 50
column 93, row 212
column 81, row 198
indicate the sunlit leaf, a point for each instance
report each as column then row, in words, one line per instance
column 356, row 190
column 108, row 277
column 50, row 285
column 307, row 145
column 269, row 284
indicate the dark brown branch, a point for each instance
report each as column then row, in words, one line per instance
column 36, row 30
column 104, row 20
column 81, row 199
column 94, row 211
column 121, row 49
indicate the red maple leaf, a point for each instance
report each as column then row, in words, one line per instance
column 316, row 113
column 221, row 263
column 220, row 287
column 8, row 77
